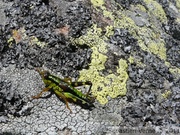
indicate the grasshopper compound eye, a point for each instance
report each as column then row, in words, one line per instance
column 46, row 74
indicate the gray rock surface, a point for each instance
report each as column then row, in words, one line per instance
column 151, row 104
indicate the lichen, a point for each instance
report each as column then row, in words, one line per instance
column 140, row 7
column 178, row 20
column 158, row 49
column 174, row 70
column 155, row 9
column 20, row 36
column 178, row 4
column 103, row 85
column 97, row 3
column 166, row 94
column 131, row 59
column 148, row 38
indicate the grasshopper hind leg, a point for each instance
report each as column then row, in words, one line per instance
column 63, row 97
column 76, row 84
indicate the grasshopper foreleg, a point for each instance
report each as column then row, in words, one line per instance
column 39, row 95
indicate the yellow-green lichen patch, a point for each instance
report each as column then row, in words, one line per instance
column 140, row 7
column 125, row 22
column 155, row 9
column 108, row 14
column 131, row 59
column 178, row 4
column 148, row 38
column 91, row 38
column 97, row 3
column 35, row 41
column 158, row 49
column 111, row 85
column 166, row 94
column 177, row 20
column 98, row 59
column 174, row 70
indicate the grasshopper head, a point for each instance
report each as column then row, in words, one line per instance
column 43, row 73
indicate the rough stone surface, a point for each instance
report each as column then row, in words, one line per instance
column 40, row 33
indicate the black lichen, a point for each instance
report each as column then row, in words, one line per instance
column 79, row 19
column 121, row 45
column 172, row 42
column 39, row 19
column 10, row 101
column 126, row 3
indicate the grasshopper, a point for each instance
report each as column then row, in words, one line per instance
column 65, row 90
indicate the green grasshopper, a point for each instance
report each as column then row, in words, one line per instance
column 65, row 90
